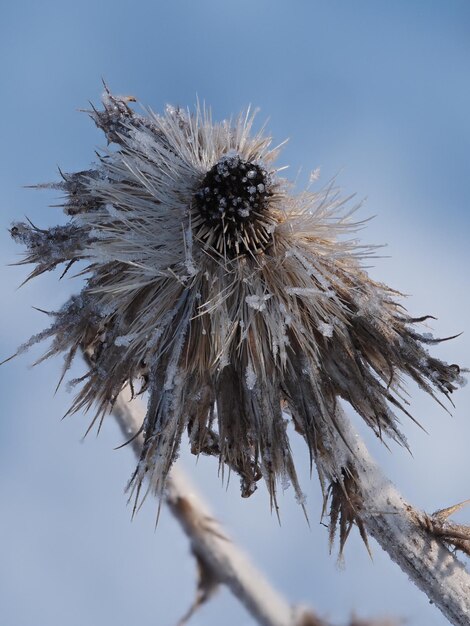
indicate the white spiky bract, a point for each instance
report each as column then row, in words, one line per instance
column 231, row 327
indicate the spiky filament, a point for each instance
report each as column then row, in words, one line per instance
column 231, row 334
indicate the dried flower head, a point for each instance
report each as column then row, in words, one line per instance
column 233, row 302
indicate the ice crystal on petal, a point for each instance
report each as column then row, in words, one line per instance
column 250, row 376
column 258, row 303
column 325, row 329
column 226, row 297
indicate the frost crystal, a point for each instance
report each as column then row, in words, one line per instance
column 250, row 377
column 258, row 303
column 326, row 329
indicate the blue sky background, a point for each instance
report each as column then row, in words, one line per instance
column 375, row 92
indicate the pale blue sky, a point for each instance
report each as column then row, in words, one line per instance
column 376, row 92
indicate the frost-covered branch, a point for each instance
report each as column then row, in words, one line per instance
column 220, row 560
column 405, row 533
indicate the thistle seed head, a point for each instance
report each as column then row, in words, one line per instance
column 235, row 304
column 231, row 207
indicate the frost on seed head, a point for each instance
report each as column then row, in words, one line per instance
column 233, row 302
column 232, row 202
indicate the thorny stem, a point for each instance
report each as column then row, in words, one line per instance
column 401, row 529
column 219, row 559
column 395, row 524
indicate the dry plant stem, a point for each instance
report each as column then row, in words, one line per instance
column 231, row 566
column 398, row 528
column 210, row 545
column 214, row 550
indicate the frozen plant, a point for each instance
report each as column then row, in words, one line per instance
column 239, row 305
column 234, row 302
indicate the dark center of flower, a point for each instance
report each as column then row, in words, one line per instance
column 231, row 205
